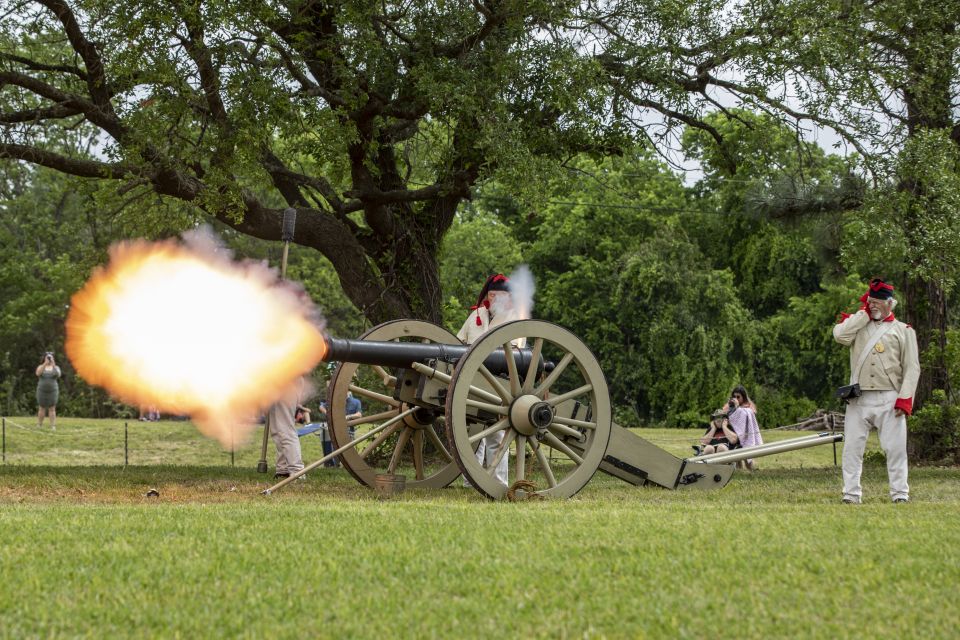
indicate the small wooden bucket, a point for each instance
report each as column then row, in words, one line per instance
column 388, row 485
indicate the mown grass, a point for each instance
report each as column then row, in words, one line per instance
column 81, row 442
column 84, row 553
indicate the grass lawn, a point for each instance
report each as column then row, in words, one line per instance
column 774, row 554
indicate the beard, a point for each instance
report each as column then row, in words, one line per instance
column 876, row 314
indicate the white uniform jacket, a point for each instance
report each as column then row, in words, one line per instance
column 893, row 364
column 470, row 332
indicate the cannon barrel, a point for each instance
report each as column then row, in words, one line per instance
column 404, row 354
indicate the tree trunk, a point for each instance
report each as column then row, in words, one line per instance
column 926, row 311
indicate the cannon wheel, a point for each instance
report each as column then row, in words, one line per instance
column 532, row 411
column 416, row 434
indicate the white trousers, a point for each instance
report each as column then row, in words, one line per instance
column 283, row 430
column 874, row 410
column 488, row 449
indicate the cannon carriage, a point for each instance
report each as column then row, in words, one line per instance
column 430, row 401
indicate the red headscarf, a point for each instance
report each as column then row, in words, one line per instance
column 496, row 282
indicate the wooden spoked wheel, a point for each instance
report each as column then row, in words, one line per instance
column 413, row 442
column 536, row 413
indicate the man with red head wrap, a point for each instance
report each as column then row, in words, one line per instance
column 885, row 364
column 494, row 307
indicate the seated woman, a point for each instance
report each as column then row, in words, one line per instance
column 743, row 421
column 719, row 436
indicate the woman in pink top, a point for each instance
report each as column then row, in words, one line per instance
column 743, row 420
column 743, row 400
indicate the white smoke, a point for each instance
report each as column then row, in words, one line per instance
column 522, row 289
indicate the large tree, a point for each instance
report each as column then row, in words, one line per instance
column 373, row 120
column 883, row 74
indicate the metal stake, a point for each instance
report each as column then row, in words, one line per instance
column 126, row 445
column 4, row 441
column 833, row 429
column 262, row 463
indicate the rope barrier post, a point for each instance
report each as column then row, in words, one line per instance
column 833, row 429
column 4, row 441
column 126, row 445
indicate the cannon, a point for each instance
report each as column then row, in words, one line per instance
column 430, row 401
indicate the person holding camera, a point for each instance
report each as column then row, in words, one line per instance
column 719, row 436
column 743, row 421
column 740, row 394
column 884, row 371
column 48, row 390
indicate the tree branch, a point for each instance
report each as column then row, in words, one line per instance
column 97, row 84
column 72, row 166
column 39, row 66
column 209, row 79
column 56, row 112
column 47, row 91
column 783, row 108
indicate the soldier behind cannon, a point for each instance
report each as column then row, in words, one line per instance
column 494, row 307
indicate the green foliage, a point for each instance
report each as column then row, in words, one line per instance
column 773, row 221
column 375, row 120
column 478, row 245
column 912, row 226
column 773, row 264
column 684, row 333
column 935, row 430
column 680, row 306
column 613, row 264
column 47, row 249
column 799, row 356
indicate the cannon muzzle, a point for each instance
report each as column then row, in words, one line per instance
column 404, row 354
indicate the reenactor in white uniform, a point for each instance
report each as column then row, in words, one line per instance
column 494, row 307
column 887, row 375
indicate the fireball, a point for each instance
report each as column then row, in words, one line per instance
column 185, row 328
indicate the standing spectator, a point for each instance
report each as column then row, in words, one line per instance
column 353, row 409
column 494, row 307
column 885, row 368
column 324, row 434
column 48, row 390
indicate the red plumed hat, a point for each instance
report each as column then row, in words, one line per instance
column 879, row 290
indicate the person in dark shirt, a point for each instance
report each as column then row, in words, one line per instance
column 719, row 435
